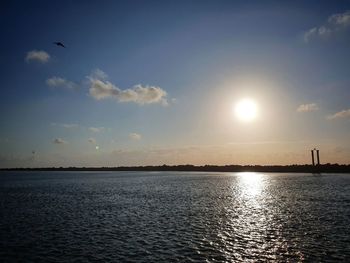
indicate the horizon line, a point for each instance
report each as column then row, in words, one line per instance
column 328, row 167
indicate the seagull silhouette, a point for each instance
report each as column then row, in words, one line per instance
column 59, row 44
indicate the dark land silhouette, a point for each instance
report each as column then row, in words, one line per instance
column 305, row 168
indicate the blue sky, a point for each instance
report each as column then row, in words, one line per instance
column 153, row 82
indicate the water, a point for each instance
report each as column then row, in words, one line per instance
column 171, row 216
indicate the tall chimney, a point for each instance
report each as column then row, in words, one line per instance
column 312, row 156
column 318, row 157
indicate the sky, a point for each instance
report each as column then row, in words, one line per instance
column 156, row 82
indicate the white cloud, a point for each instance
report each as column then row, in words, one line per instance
column 66, row 125
column 135, row 136
column 340, row 115
column 92, row 140
column 96, row 129
column 59, row 141
column 38, row 55
column 335, row 23
column 98, row 74
column 342, row 19
column 61, row 82
column 307, row 107
column 101, row 89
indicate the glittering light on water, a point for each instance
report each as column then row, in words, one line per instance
column 251, row 183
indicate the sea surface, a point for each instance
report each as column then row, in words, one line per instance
column 174, row 217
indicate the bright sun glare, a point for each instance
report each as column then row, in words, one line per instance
column 246, row 110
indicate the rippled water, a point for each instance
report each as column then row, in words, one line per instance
column 170, row 216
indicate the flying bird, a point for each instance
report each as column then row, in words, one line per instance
column 60, row 44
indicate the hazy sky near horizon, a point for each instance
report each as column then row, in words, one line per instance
column 154, row 82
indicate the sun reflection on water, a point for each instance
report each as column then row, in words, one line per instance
column 252, row 225
column 251, row 184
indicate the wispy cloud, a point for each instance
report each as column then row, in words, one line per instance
column 38, row 55
column 92, row 140
column 340, row 115
column 100, row 88
column 335, row 23
column 269, row 142
column 59, row 141
column 96, row 129
column 4, row 140
column 66, row 125
column 135, row 136
column 61, row 82
column 342, row 19
column 307, row 107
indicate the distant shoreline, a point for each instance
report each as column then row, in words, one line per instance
column 323, row 168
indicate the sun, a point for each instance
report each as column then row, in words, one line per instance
column 246, row 110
